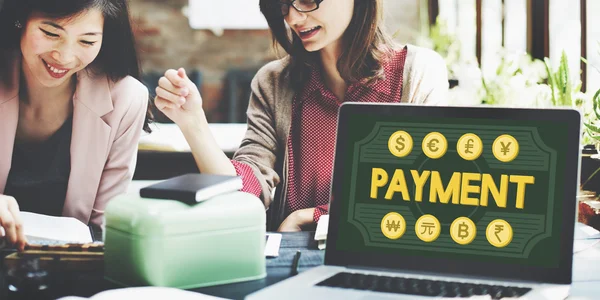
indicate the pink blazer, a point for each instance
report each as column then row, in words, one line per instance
column 107, row 123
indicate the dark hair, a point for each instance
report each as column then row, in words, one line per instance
column 364, row 43
column 118, row 55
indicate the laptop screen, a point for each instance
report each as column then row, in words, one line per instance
column 461, row 187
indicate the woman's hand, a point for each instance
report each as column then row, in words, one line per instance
column 178, row 98
column 297, row 219
column 10, row 220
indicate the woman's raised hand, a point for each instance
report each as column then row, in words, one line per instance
column 178, row 97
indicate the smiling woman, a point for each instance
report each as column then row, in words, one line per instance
column 77, row 39
column 337, row 51
column 71, row 108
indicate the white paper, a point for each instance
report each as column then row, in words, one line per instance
column 150, row 292
column 63, row 229
column 272, row 244
column 322, row 226
column 168, row 137
column 583, row 231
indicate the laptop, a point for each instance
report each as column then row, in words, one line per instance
column 446, row 202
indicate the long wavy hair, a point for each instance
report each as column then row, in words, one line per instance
column 118, row 56
column 364, row 43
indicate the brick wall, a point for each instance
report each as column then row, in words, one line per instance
column 166, row 41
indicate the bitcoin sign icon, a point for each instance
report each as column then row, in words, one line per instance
column 505, row 148
column 499, row 233
column 469, row 146
column 428, row 228
column 400, row 143
column 393, row 225
column 463, row 230
column 435, row 145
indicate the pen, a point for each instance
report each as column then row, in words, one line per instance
column 295, row 263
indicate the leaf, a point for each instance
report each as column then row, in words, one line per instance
column 593, row 128
column 564, row 80
column 551, row 82
column 596, row 103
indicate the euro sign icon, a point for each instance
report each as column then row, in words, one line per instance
column 505, row 148
column 499, row 228
column 400, row 143
column 432, row 145
column 468, row 146
column 463, row 230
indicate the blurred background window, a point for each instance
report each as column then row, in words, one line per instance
column 593, row 43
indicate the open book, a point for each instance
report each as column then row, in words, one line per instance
column 44, row 229
column 147, row 292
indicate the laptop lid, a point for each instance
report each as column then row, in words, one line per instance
column 483, row 191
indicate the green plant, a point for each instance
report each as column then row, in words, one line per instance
column 560, row 82
column 593, row 130
column 592, row 119
column 518, row 80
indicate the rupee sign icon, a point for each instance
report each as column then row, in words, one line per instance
column 499, row 228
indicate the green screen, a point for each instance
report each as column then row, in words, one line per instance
column 505, row 202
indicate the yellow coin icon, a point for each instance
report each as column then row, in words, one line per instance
column 435, row 145
column 463, row 230
column 499, row 233
column 469, row 146
column 505, row 148
column 428, row 228
column 400, row 143
column 393, row 225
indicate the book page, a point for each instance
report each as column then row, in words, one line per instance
column 150, row 292
column 322, row 227
column 50, row 228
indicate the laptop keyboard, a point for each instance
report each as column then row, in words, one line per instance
column 422, row 287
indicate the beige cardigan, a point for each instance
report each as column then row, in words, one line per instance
column 264, row 146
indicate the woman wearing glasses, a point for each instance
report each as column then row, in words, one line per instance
column 338, row 52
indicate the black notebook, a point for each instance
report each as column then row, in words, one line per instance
column 192, row 188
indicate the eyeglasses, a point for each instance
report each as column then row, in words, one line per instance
column 299, row 5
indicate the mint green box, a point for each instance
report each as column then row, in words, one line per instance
column 168, row 243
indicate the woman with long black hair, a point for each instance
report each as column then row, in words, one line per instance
column 71, row 109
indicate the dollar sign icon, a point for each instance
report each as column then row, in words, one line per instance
column 400, row 143
column 462, row 230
